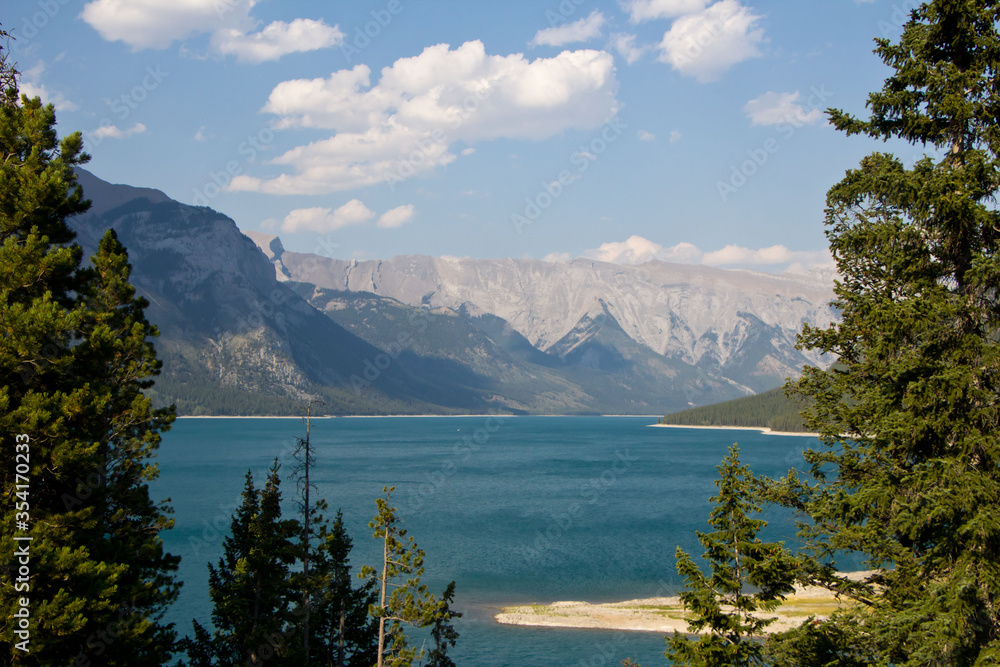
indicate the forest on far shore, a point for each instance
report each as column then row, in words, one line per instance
column 770, row 409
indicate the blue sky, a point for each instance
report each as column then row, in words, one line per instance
column 683, row 130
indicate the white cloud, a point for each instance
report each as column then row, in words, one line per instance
column 770, row 256
column 648, row 10
column 200, row 134
column 468, row 151
column 277, row 39
column 577, row 31
column 675, row 136
column 318, row 219
column 637, row 250
column 625, row 46
column 396, row 217
column 31, row 85
column 557, row 257
column 778, row 108
column 156, row 24
column 113, row 132
column 706, row 44
column 405, row 124
column 646, row 136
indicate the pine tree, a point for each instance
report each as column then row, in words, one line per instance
column 911, row 475
column 251, row 590
column 75, row 360
column 343, row 634
column 402, row 598
column 257, row 595
column 748, row 578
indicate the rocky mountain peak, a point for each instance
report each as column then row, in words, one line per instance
column 272, row 248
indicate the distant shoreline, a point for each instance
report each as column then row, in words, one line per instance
column 763, row 429
column 248, row 417
column 395, row 416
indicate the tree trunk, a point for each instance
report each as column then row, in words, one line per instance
column 381, row 619
column 340, row 642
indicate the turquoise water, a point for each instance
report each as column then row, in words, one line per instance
column 514, row 509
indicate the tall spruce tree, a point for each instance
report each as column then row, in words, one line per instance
column 748, row 578
column 75, row 358
column 257, row 594
column 342, row 632
column 911, row 475
column 251, row 589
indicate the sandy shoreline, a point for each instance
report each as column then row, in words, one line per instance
column 763, row 429
column 663, row 614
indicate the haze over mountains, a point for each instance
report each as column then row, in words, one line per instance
column 247, row 327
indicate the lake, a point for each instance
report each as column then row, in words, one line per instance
column 514, row 509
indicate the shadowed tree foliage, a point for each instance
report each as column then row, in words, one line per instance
column 250, row 588
column 443, row 632
column 342, row 632
column 257, row 594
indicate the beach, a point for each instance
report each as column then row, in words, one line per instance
column 666, row 614
column 759, row 429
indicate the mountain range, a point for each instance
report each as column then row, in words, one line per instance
column 247, row 327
